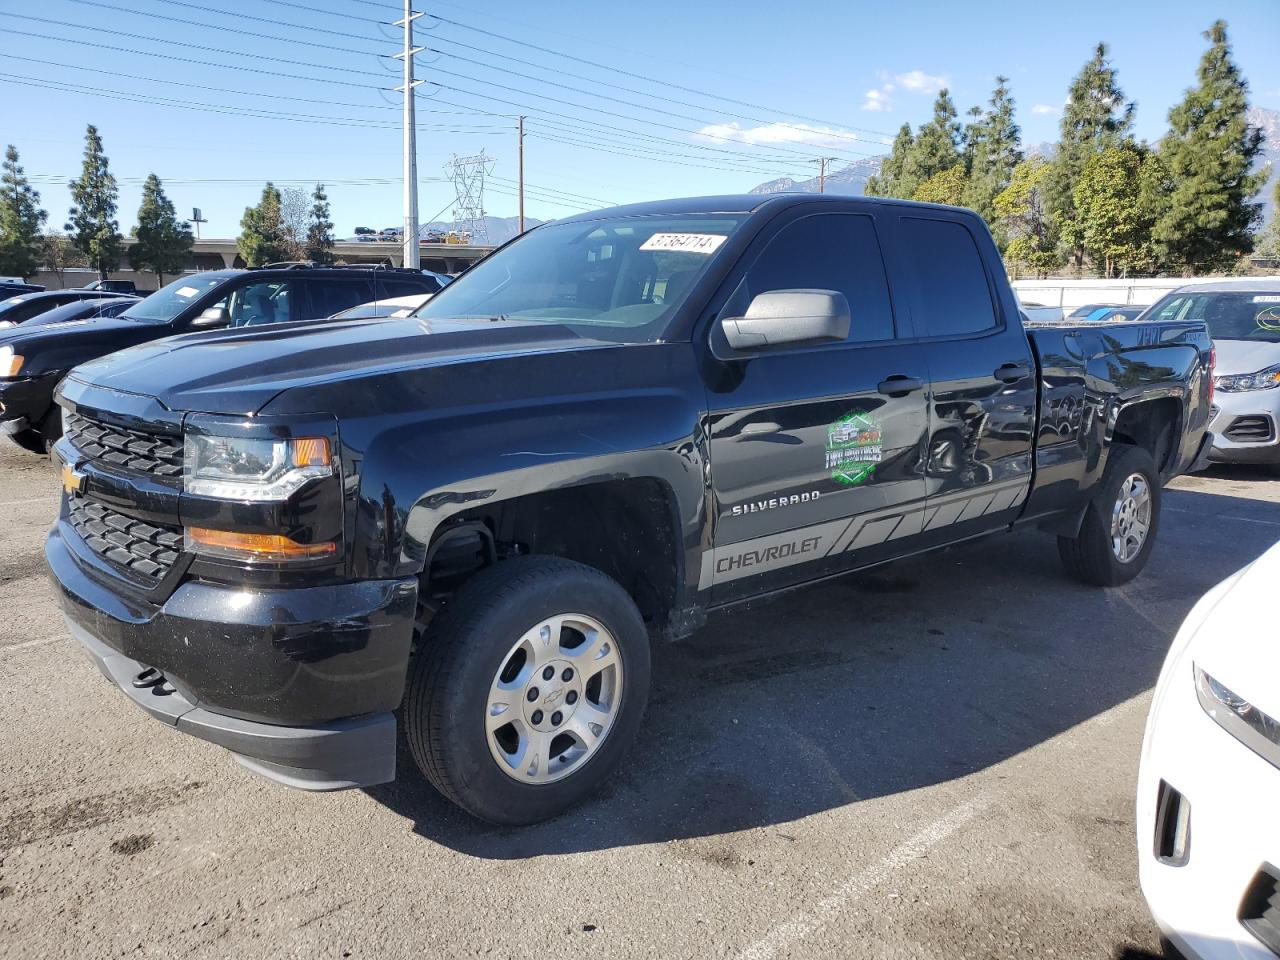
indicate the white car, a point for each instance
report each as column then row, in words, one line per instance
column 1209, row 786
column 1244, row 321
column 393, row 308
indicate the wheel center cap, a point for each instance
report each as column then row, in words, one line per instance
column 549, row 701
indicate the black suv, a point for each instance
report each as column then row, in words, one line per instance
column 33, row 361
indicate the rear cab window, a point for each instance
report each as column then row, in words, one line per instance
column 949, row 289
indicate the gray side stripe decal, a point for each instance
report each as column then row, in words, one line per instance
column 778, row 550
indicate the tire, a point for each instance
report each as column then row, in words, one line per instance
column 1093, row 556
column 488, row 640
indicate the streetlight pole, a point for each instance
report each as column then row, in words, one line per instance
column 412, row 254
column 520, row 165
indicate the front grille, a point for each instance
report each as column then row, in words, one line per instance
column 145, row 549
column 115, row 446
column 1252, row 429
column 1260, row 908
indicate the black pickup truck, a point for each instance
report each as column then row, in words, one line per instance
column 473, row 520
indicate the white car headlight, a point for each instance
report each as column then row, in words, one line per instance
column 10, row 362
column 1267, row 379
column 244, row 468
column 1255, row 729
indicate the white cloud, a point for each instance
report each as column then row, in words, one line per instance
column 779, row 133
column 917, row 81
column 1043, row 109
column 878, row 101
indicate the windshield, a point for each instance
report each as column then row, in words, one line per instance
column 618, row 280
column 1230, row 315
column 170, row 300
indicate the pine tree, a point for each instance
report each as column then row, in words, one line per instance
column 1022, row 211
column 320, row 231
column 1096, row 117
column 996, row 151
column 20, row 220
column 937, row 146
column 163, row 242
column 262, row 237
column 1209, row 151
column 1268, row 240
column 893, row 181
column 93, row 223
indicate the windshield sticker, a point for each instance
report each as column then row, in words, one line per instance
column 854, row 448
column 1267, row 298
column 707, row 243
column 186, row 291
column 1269, row 319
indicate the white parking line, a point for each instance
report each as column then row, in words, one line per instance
column 788, row 931
column 33, row 643
column 1224, row 516
column 14, row 503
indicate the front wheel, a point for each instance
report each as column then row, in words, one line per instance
column 527, row 690
column 1120, row 524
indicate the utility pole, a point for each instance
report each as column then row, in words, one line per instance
column 822, row 173
column 520, row 165
column 412, row 255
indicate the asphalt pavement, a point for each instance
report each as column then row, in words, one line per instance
column 935, row 759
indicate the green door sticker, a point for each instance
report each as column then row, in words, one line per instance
column 853, row 448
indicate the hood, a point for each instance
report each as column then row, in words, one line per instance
column 1244, row 356
column 1236, row 643
column 39, row 327
column 239, row 372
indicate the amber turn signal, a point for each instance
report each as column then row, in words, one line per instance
column 312, row 452
column 254, row 546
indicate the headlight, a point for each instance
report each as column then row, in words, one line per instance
column 243, row 468
column 10, row 362
column 1240, row 718
column 1267, row 379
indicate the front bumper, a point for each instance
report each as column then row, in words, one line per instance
column 299, row 684
column 1246, row 427
column 26, row 401
column 1233, row 827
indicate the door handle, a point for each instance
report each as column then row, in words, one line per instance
column 1012, row 372
column 758, row 429
column 899, row 385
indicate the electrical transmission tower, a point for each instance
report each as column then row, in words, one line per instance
column 468, row 175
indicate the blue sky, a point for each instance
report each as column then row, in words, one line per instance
column 706, row 97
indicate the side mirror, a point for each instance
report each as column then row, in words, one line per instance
column 789, row 316
column 212, row 318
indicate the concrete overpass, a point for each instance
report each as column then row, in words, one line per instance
column 222, row 254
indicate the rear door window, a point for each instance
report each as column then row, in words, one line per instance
column 329, row 295
column 949, row 290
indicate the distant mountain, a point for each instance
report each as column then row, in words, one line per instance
column 1269, row 121
column 847, row 181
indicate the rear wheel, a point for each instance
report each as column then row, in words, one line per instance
column 527, row 690
column 1120, row 524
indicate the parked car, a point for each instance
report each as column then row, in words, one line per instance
column 35, row 359
column 1209, row 782
column 1096, row 311
column 395, row 307
column 24, row 306
column 77, row 311
column 1039, row 313
column 1243, row 317
column 12, row 286
column 475, row 518
column 113, row 286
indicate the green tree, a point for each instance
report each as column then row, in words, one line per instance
column 93, row 223
column 995, row 150
column 937, row 145
column 163, row 242
column 893, row 179
column 1210, row 150
column 946, row 187
column 1110, row 205
column 320, row 230
column 1022, row 212
column 20, row 220
column 1268, row 240
column 1096, row 117
column 262, row 233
